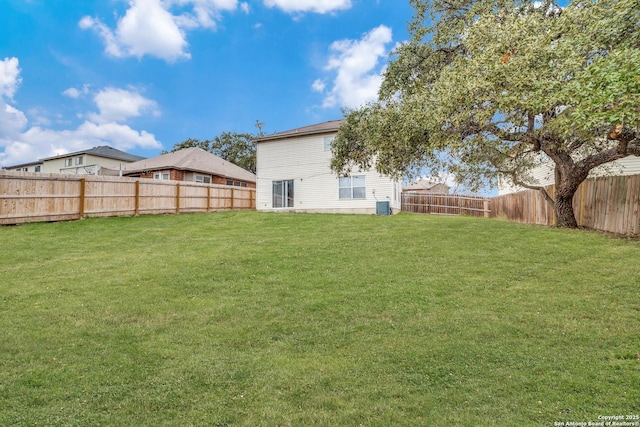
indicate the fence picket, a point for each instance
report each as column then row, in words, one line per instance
column 37, row 197
column 608, row 204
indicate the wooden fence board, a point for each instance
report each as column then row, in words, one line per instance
column 444, row 204
column 608, row 204
column 37, row 197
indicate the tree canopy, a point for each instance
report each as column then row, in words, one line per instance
column 237, row 148
column 489, row 90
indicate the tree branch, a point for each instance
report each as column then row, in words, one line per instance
column 519, row 183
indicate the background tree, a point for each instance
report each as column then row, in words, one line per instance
column 237, row 148
column 190, row 143
column 489, row 90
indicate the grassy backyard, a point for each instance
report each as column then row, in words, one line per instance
column 266, row 319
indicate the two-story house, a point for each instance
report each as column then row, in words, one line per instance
column 294, row 175
column 86, row 162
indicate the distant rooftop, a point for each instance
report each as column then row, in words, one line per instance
column 330, row 126
column 37, row 162
column 192, row 159
column 102, row 151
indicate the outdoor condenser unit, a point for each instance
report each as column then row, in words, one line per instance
column 383, row 208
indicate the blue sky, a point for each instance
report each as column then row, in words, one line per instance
column 142, row 75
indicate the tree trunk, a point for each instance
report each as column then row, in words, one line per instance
column 567, row 182
column 565, row 217
column 568, row 179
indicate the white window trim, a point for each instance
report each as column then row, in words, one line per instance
column 351, row 187
column 327, row 142
column 285, row 194
column 160, row 176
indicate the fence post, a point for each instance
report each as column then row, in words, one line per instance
column 178, row 198
column 137, row 199
column 83, row 183
column 232, row 197
column 208, row 198
column 486, row 208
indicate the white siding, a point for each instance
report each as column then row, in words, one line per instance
column 544, row 174
column 305, row 161
column 89, row 164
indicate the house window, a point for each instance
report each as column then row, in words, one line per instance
column 283, row 194
column 37, row 168
column 352, row 187
column 164, row 176
column 203, row 179
column 79, row 160
column 229, row 182
column 244, row 184
column 68, row 162
column 327, row 142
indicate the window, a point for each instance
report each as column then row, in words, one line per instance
column 38, row 168
column 79, row 160
column 244, row 184
column 229, row 182
column 68, row 162
column 283, row 194
column 327, row 142
column 164, row 176
column 352, row 187
column 203, row 179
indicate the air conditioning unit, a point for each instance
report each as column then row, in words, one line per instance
column 383, row 208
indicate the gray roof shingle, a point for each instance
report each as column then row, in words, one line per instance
column 102, row 151
column 191, row 159
column 325, row 127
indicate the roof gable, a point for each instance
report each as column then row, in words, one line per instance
column 191, row 159
column 101, row 151
column 319, row 128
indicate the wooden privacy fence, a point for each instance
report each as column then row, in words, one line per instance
column 608, row 204
column 445, row 204
column 28, row 197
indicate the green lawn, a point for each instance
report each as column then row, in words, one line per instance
column 243, row 318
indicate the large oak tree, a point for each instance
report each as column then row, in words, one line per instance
column 489, row 90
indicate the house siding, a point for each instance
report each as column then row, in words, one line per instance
column 544, row 174
column 88, row 166
column 316, row 188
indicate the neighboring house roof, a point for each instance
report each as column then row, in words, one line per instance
column 423, row 184
column 101, row 151
column 326, row 127
column 23, row 165
column 191, row 159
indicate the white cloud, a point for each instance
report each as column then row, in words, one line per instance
column 317, row 6
column 318, row 85
column 12, row 120
column 245, row 7
column 355, row 65
column 149, row 27
column 204, row 13
column 118, row 105
column 9, row 77
column 76, row 93
column 21, row 143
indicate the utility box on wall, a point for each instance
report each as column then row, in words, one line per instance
column 383, row 208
